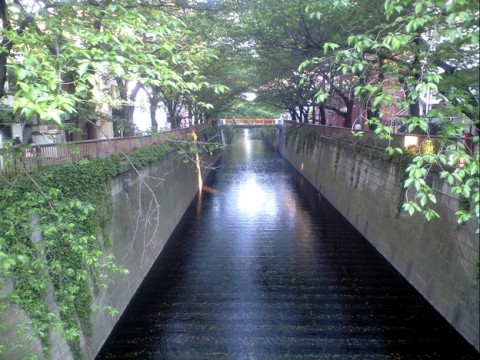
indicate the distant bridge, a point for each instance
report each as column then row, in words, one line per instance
column 251, row 123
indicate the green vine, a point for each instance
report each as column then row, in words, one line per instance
column 404, row 159
column 143, row 157
column 53, row 239
column 269, row 132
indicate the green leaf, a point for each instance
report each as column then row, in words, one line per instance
column 431, row 214
column 423, row 200
column 450, row 179
column 22, row 74
column 82, row 68
column 466, row 191
column 419, row 7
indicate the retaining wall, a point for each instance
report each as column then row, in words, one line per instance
column 437, row 257
column 147, row 207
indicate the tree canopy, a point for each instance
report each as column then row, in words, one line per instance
column 63, row 57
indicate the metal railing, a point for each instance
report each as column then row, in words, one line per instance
column 35, row 156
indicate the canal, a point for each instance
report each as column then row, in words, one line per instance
column 261, row 267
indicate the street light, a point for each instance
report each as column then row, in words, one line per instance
column 410, row 140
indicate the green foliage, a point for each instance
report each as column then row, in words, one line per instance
column 242, row 108
column 143, row 157
column 403, row 158
column 63, row 55
column 191, row 146
column 50, row 224
column 418, row 50
column 269, row 132
column 209, row 140
column 228, row 132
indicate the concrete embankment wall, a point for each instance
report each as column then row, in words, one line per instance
column 147, row 207
column 438, row 258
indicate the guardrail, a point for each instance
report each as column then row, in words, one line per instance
column 35, row 156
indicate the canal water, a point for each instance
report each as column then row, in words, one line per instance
column 261, row 267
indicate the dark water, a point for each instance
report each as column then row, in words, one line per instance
column 263, row 268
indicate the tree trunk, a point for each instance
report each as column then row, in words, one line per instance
column 133, row 97
column 127, row 110
column 6, row 45
column 314, row 120
column 323, row 118
column 154, row 99
column 348, row 115
column 312, row 109
column 153, row 119
column 128, row 129
column 303, row 113
column 305, row 110
column 293, row 114
column 172, row 114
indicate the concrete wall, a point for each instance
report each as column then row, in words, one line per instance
column 147, row 208
column 438, row 258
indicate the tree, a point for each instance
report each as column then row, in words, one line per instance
column 66, row 56
column 283, row 35
column 423, row 48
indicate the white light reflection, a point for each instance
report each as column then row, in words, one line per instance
column 255, row 199
column 247, row 144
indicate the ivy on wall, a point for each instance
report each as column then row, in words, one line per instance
column 143, row 157
column 269, row 132
column 53, row 240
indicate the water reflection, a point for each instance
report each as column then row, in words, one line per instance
column 264, row 269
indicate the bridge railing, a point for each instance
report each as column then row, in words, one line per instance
column 257, row 122
column 35, row 156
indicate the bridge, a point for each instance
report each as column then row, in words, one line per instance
column 251, row 123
